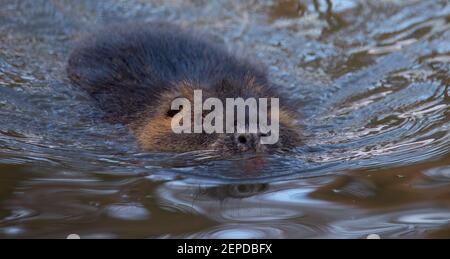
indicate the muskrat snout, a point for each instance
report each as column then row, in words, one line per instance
column 248, row 141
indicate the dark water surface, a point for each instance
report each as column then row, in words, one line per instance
column 373, row 77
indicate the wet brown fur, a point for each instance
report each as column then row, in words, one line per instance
column 133, row 72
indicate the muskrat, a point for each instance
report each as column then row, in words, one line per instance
column 134, row 71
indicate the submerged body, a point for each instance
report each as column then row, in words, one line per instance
column 135, row 72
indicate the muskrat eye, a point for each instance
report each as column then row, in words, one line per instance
column 171, row 113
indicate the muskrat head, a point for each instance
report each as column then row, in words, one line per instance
column 219, row 130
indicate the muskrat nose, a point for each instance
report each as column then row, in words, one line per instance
column 246, row 141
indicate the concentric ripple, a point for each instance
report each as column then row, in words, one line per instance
column 373, row 82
